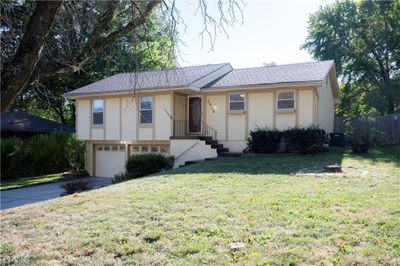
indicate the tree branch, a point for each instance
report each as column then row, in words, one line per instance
column 16, row 75
column 97, row 43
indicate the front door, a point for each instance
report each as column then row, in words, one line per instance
column 194, row 114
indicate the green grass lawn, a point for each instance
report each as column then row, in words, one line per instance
column 29, row 181
column 189, row 216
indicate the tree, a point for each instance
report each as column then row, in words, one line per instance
column 363, row 37
column 150, row 51
column 101, row 29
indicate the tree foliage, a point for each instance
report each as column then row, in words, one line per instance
column 145, row 49
column 88, row 28
column 363, row 37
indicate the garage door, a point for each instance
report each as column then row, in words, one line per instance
column 110, row 160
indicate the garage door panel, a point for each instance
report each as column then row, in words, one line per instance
column 110, row 160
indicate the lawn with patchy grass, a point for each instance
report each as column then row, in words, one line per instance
column 29, row 181
column 190, row 215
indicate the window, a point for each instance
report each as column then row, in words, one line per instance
column 146, row 110
column 285, row 100
column 98, row 111
column 236, row 102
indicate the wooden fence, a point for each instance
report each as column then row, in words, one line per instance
column 388, row 127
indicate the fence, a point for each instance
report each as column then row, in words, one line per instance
column 387, row 125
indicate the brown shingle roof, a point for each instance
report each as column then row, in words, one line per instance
column 184, row 77
column 168, row 78
column 293, row 73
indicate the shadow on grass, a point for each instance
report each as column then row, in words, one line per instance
column 385, row 154
column 268, row 164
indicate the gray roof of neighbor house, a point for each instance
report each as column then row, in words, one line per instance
column 186, row 76
column 17, row 121
column 167, row 78
column 268, row 75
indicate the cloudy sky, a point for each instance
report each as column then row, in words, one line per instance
column 272, row 30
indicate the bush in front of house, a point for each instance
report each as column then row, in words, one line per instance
column 146, row 164
column 40, row 155
column 120, row 177
column 77, row 186
column 264, row 140
column 304, row 139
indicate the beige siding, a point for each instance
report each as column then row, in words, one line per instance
column 236, row 127
column 97, row 133
column 325, row 107
column 179, row 107
column 128, row 118
column 285, row 120
column 305, row 107
column 216, row 118
column 89, row 157
column 234, row 145
column 163, row 111
column 112, row 119
column 261, row 110
column 83, row 121
column 145, row 133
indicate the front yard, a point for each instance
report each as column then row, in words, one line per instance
column 29, row 181
column 280, row 207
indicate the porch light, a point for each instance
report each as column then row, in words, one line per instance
column 214, row 108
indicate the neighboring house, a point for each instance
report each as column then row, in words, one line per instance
column 197, row 112
column 22, row 125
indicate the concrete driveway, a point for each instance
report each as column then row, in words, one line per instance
column 27, row 195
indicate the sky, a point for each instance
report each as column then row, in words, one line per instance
column 272, row 31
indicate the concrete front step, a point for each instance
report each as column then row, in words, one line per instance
column 212, row 142
column 222, row 150
column 229, row 154
column 217, row 146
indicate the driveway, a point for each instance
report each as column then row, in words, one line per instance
column 27, row 195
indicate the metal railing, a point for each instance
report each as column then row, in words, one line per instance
column 184, row 128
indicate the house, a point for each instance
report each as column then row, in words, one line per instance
column 22, row 125
column 197, row 112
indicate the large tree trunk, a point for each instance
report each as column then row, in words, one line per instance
column 16, row 75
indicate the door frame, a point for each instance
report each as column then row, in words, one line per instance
column 201, row 113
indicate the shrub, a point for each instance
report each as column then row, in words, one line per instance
column 146, row 164
column 121, row 177
column 77, row 186
column 75, row 153
column 41, row 155
column 264, row 140
column 304, row 139
column 10, row 155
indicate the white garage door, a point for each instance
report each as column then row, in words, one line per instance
column 110, row 160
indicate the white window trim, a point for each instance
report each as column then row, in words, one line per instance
column 152, row 111
column 286, row 109
column 244, row 102
column 92, row 105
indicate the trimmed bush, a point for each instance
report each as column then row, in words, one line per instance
column 147, row 164
column 264, row 140
column 304, row 139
